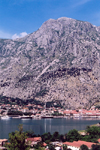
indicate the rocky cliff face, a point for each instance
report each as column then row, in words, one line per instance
column 60, row 61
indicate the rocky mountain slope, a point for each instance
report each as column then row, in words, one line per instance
column 58, row 62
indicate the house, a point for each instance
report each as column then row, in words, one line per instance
column 33, row 141
column 58, row 145
column 3, row 142
column 44, row 144
column 99, row 140
column 76, row 144
column 58, row 148
column 66, row 112
column 3, row 148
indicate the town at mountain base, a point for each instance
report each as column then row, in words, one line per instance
column 58, row 62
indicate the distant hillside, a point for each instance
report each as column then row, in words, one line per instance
column 58, row 62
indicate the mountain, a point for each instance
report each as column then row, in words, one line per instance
column 58, row 62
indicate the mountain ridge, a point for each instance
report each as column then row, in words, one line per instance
column 62, row 58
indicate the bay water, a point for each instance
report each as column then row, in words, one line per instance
column 62, row 125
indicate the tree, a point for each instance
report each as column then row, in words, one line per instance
column 51, row 147
column 15, row 113
column 30, row 133
column 73, row 135
column 95, row 147
column 41, row 148
column 38, row 145
column 17, row 140
column 62, row 138
column 93, row 133
column 46, row 137
column 64, row 147
column 55, row 136
column 83, row 147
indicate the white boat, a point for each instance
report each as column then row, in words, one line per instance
column 16, row 117
column 5, row 117
column 26, row 117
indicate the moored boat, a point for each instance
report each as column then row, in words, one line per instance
column 26, row 117
column 6, row 117
column 46, row 116
column 16, row 117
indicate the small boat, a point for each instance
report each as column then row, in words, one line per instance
column 46, row 116
column 26, row 117
column 6, row 117
column 36, row 117
column 16, row 117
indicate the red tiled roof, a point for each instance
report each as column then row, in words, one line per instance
column 44, row 144
column 79, row 143
column 3, row 140
column 35, row 139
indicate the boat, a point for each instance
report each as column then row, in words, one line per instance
column 6, row 117
column 36, row 117
column 16, row 117
column 26, row 117
column 46, row 116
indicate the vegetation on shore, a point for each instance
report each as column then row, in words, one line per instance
column 17, row 138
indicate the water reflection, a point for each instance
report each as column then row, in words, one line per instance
column 44, row 125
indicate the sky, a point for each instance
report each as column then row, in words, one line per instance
column 21, row 17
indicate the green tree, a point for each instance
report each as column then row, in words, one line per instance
column 93, row 133
column 41, row 148
column 64, row 147
column 83, row 147
column 95, row 147
column 38, row 145
column 17, row 140
column 73, row 135
column 46, row 137
column 51, row 147
column 30, row 133
column 62, row 138
column 55, row 136
column 15, row 113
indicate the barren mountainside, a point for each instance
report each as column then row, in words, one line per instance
column 58, row 62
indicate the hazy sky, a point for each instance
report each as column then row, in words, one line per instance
column 21, row 17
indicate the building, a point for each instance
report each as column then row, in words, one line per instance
column 3, row 142
column 77, row 144
column 33, row 141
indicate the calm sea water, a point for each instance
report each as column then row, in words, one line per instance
column 44, row 125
